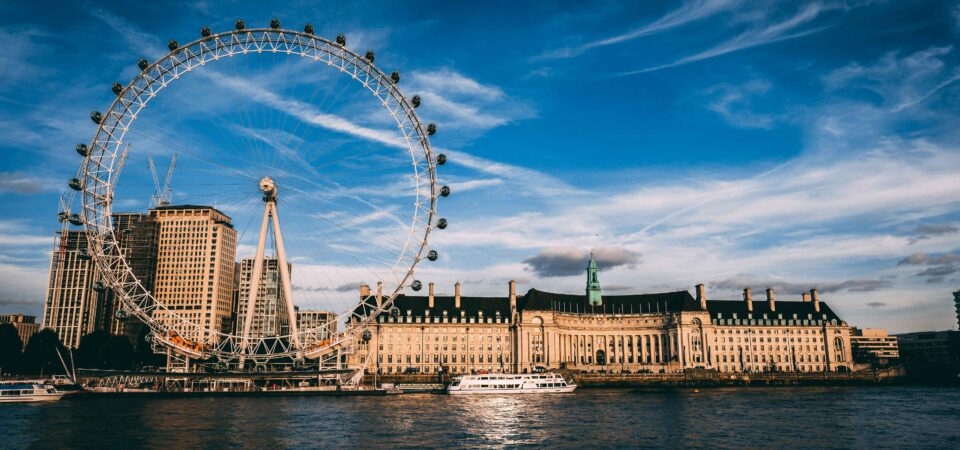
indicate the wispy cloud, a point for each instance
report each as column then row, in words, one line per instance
column 733, row 104
column 24, row 184
column 690, row 11
column 754, row 37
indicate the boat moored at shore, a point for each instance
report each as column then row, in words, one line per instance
column 27, row 391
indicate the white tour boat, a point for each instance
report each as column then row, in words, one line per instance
column 24, row 391
column 504, row 383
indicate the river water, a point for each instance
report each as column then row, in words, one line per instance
column 775, row 417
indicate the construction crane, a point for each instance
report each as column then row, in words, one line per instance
column 162, row 195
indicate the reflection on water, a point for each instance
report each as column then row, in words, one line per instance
column 712, row 418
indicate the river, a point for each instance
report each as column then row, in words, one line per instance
column 774, row 417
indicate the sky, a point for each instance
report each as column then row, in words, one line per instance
column 792, row 145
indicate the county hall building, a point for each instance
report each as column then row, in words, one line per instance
column 644, row 333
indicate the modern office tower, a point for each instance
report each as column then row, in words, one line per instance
column 73, row 306
column 314, row 320
column 270, row 307
column 26, row 325
column 195, row 269
column 136, row 235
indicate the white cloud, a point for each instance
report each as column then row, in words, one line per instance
column 690, row 11
column 754, row 37
column 733, row 104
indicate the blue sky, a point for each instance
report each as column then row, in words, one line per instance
column 738, row 144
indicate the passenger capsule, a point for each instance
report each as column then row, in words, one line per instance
column 99, row 287
column 173, row 45
column 395, row 312
column 442, row 224
column 62, row 216
column 240, row 24
column 75, row 219
column 148, row 337
column 341, row 40
column 205, row 32
column 308, row 29
column 395, row 76
column 83, row 254
column 432, row 129
column 445, row 191
column 122, row 315
column 366, row 336
column 432, row 255
column 75, row 184
column 370, row 55
column 117, row 88
column 416, row 285
column 96, row 117
column 275, row 23
column 415, row 101
column 143, row 64
column 83, row 150
column 441, row 159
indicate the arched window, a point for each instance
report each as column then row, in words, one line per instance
column 838, row 346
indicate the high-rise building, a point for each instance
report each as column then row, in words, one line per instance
column 136, row 235
column 26, row 325
column 194, row 269
column 270, row 308
column 73, row 306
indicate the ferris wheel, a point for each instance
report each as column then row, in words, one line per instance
column 368, row 205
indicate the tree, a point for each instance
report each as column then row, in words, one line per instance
column 11, row 349
column 40, row 356
column 88, row 352
column 116, row 353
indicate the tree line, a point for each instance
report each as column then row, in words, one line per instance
column 97, row 350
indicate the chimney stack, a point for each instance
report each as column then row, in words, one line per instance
column 513, row 300
column 456, row 295
column 430, row 297
column 364, row 291
column 379, row 293
column 816, row 299
column 770, row 301
column 702, row 296
column 748, row 299
column 806, row 297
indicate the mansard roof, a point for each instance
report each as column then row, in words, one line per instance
column 725, row 309
column 418, row 305
column 661, row 302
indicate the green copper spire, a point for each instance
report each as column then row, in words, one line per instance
column 593, row 283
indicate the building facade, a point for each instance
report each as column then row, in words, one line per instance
column 317, row 326
column 137, row 236
column 270, row 306
column 26, row 325
column 653, row 333
column 956, row 305
column 194, row 269
column 873, row 344
column 930, row 349
column 74, row 304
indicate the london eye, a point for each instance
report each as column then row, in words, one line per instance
column 311, row 138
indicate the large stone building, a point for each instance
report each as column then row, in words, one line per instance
column 270, row 306
column 656, row 333
column 195, row 269
column 74, row 304
column 26, row 325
